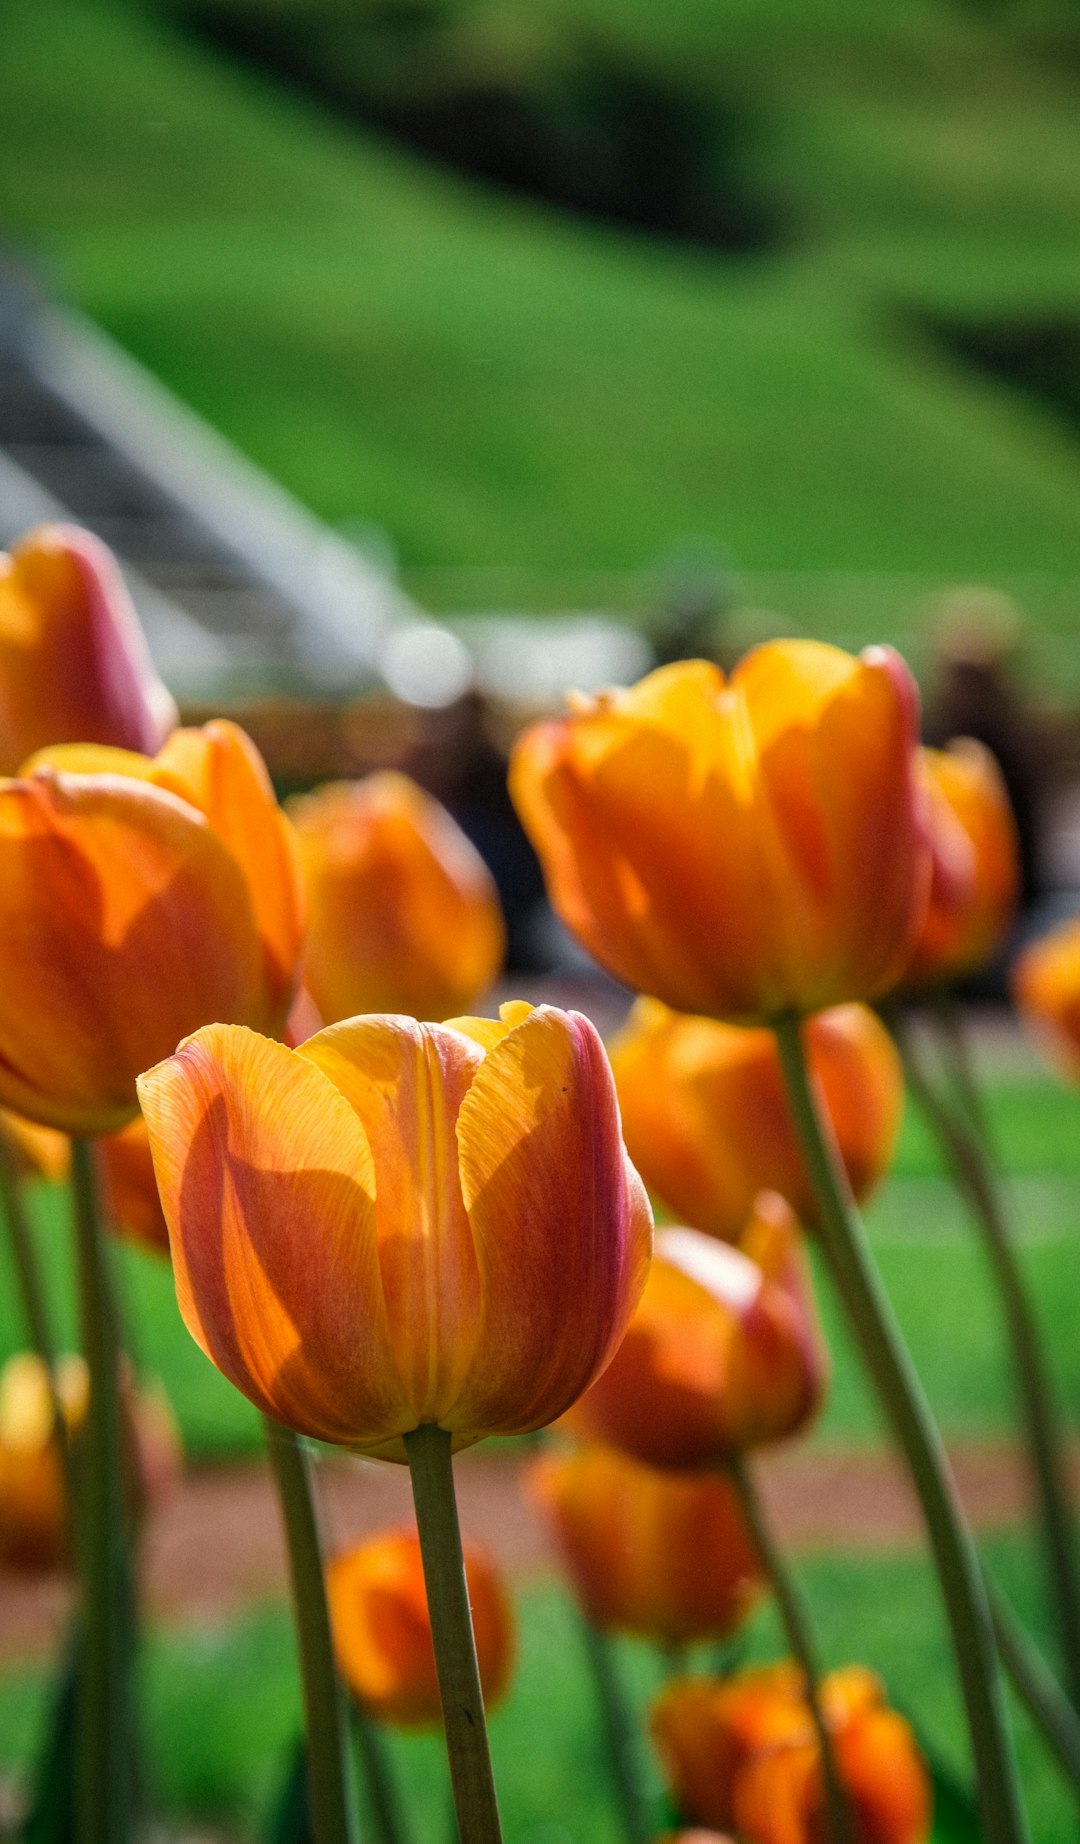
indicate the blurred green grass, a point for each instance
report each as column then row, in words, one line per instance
column 503, row 388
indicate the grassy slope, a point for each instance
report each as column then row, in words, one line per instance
column 500, row 388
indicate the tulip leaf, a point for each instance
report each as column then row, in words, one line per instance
column 290, row 1820
column 51, row 1815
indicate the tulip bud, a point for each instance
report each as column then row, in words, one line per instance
column 138, row 899
column 975, row 865
column 738, row 848
column 74, row 667
column 708, row 1123
column 664, row 1555
column 382, row 1632
column 401, row 1224
column 722, row 1354
column 741, row 1753
column 403, row 914
column 1046, row 987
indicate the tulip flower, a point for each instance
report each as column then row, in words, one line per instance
column 398, row 1224
column 975, row 866
column 34, row 1517
column 1046, row 987
column 382, row 1633
column 738, row 848
column 723, row 1353
column 707, row 1120
column 403, row 914
column 132, row 1207
column 740, row 1753
column 74, row 667
column 35, row 1152
column 664, row 1555
column 139, row 899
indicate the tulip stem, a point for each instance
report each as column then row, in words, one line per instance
column 844, row 1245
column 104, row 1754
column 324, row 1705
column 428, row 1449
column 32, row 1296
column 1037, row 1687
column 378, row 1777
column 620, row 1741
column 793, row 1613
column 966, row 1155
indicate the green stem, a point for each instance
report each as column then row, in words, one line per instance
column 324, row 1705
column 954, row 1040
column 378, row 1778
column 104, row 1757
column 428, row 1449
column 844, row 1245
column 800, row 1638
column 966, row 1156
column 620, row 1739
column 1037, row 1687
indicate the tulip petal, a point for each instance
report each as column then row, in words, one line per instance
column 540, row 1144
column 406, row 1082
column 268, row 1188
column 130, row 925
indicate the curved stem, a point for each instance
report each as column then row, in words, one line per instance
column 800, row 1638
column 954, row 1040
column 620, row 1742
column 1037, row 1687
column 324, row 1708
column 843, row 1242
column 966, row 1156
column 428, row 1450
column 104, row 1755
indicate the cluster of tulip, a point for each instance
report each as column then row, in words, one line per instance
column 399, row 1230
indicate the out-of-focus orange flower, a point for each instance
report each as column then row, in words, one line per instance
column 975, row 878
column 138, row 899
column 707, row 1120
column 738, row 848
column 74, row 667
column 1046, row 987
column 400, row 1223
column 723, row 1353
column 403, row 915
column 382, row 1633
column 664, row 1555
column 33, row 1151
column 132, row 1207
column 34, row 1517
column 741, row 1753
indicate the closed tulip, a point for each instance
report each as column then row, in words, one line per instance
column 1046, row 987
column 74, row 667
column 401, row 1224
column 403, row 914
column 664, row 1555
column 738, row 848
column 723, row 1353
column 707, row 1120
column 382, row 1633
column 741, row 1753
column 139, row 899
column 975, row 876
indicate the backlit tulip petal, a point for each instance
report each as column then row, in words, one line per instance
column 975, row 878
column 403, row 912
column 664, row 1555
column 126, row 923
column 737, row 848
column 1046, row 987
column 74, row 666
column 382, row 1633
column 722, row 1353
column 706, row 1116
column 389, row 1226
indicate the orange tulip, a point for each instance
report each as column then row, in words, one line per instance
column 737, row 848
column 707, row 1120
column 740, row 1752
column 403, row 914
column 132, row 1207
column 664, row 1555
column 138, row 900
column 35, row 1152
column 34, row 1528
column 382, row 1633
column 722, row 1354
column 1046, row 987
column 74, row 667
column 975, row 877
column 401, row 1224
